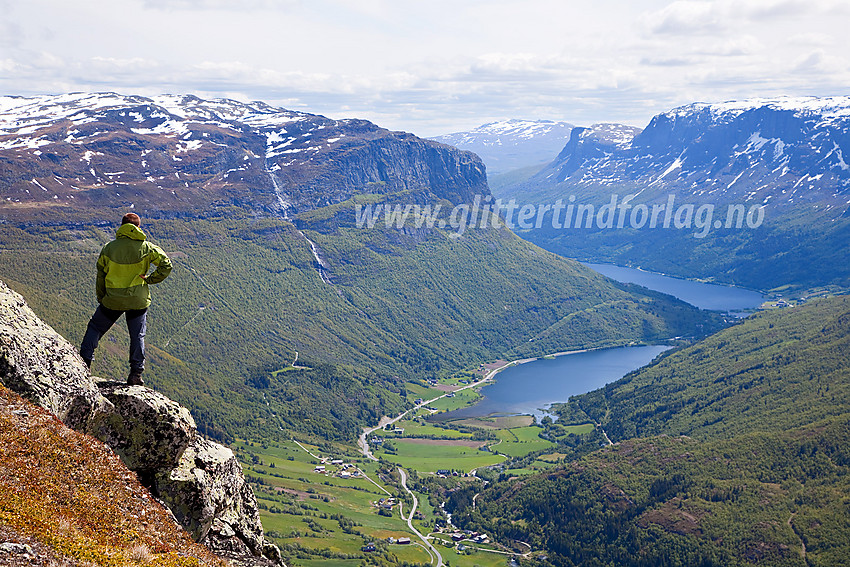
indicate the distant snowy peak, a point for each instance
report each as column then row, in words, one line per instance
column 506, row 132
column 512, row 144
column 825, row 107
column 22, row 112
column 515, row 129
column 764, row 150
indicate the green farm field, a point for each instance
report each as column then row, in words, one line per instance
column 521, row 441
column 428, row 457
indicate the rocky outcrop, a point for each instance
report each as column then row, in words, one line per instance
column 200, row 481
column 146, row 429
column 208, row 495
column 38, row 363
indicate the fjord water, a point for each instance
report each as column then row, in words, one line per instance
column 531, row 387
column 713, row 297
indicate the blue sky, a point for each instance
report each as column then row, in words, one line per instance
column 433, row 67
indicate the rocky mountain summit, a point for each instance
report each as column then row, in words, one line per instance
column 784, row 150
column 182, row 156
column 201, row 482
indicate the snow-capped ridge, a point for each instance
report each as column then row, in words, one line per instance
column 825, row 107
column 179, row 152
column 512, row 143
column 779, row 150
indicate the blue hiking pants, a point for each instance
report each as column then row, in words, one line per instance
column 102, row 321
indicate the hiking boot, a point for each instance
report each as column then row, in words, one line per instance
column 135, row 378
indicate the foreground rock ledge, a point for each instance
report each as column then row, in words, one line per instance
column 200, row 481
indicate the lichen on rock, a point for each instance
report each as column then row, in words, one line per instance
column 148, row 430
column 209, row 496
column 37, row 362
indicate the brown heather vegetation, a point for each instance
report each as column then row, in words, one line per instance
column 69, row 498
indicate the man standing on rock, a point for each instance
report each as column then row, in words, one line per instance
column 123, row 287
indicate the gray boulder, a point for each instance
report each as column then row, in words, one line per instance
column 147, row 430
column 209, row 496
column 37, row 362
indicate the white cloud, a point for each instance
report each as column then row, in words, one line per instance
column 435, row 66
column 225, row 5
column 811, row 39
column 685, row 17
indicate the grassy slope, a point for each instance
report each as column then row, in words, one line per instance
column 753, row 499
column 73, row 501
column 245, row 296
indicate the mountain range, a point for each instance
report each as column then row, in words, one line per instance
column 174, row 155
column 512, row 144
column 256, row 205
column 780, row 158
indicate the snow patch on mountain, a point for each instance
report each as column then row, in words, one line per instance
column 505, row 145
column 765, row 150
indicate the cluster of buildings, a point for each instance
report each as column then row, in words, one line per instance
column 443, row 473
column 470, row 536
column 461, row 539
column 343, row 469
column 385, row 503
column 371, row 546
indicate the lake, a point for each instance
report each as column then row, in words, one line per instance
column 531, row 387
column 714, row 297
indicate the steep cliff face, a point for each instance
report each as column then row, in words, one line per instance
column 589, row 145
column 180, row 155
column 201, row 482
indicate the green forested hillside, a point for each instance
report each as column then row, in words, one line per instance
column 733, row 451
column 399, row 305
column 755, row 499
column 774, row 371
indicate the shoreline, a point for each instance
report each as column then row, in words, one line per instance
column 362, row 440
column 672, row 276
column 490, row 375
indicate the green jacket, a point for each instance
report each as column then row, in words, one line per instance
column 120, row 268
